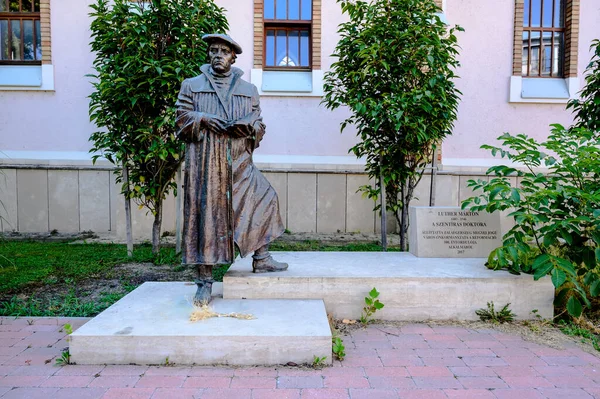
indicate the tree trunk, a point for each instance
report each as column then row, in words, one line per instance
column 128, row 224
column 403, row 219
column 383, row 213
column 433, row 179
column 156, row 227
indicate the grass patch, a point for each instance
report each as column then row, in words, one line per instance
column 586, row 335
column 68, row 305
column 26, row 262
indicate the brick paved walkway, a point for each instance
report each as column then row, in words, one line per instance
column 414, row 361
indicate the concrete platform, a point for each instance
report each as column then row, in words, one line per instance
column 412, row 288
column 151, row 325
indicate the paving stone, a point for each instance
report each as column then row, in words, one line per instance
column 373, row 393
column 30, row 393
column 45, row 370
column 22, row 380
column 346, row 381
column 253, row 382
column 386, row 372
column 160, row 381
column 79, row 393
column 422, row 394
column 563, row 360
column 443, row 361
column 564, row 393
column 528, row 393
column 114, row 381
column 128, row 393
column 469, row 394
column 572, row 382
column 429, row 371
column 124, row 370
column 276, row 394
column 176, row 393
column 394, row 360
column 300, row 382
column 210, row 372
column 391, row 382
column 67, row 381
column 437, row 382
column 484, row 361
column 325, row 393
column 207, row 382
column 482, row 382
column 212, row 393
column 472, row 371
column 256, row 372
column 79, row 370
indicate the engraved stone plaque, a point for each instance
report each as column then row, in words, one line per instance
column 451, row 232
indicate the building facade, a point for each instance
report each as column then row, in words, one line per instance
column 521, row 60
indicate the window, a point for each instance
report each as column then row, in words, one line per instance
column 287, row 34
column 546, row 36
column 20, row 32
column 543, row 38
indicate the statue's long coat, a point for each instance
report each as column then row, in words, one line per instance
column 226, row 198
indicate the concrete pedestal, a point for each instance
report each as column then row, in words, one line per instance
column 412, row 288
column 151, row 325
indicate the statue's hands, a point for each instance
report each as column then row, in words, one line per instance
column 241, row 129
column 214, row 123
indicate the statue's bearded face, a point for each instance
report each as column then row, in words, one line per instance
column 221, row 57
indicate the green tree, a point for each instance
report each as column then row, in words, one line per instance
column 394, row 71
column 144, row 50
column 587, row 107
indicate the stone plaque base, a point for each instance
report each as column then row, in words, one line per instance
column 412, row 289
column 151, row 325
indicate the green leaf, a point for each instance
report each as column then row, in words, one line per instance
column 373, row 293
column 574, row 307
column 558, row 277
column 595, row 288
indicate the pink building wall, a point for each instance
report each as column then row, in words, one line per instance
column 39, row 122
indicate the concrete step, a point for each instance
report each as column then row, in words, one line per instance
column 151, row 325
column 411, row 288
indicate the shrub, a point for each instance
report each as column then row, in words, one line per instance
column 557, row 215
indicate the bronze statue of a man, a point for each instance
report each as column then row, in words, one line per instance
column 227, row 201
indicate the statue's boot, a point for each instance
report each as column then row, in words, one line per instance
column 204, row 283
column 204, row 291
column 263, row 262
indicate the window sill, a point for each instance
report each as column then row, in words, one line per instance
column 288, row 84
column 543, row 90
column 27, row 78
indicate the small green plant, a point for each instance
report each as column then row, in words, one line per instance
column 339, row 350
column 372, row 305
column 319, row 362
column 576, row 331
column 67, row 329
column 505, row 315
column 168, row 363
column 65, row 358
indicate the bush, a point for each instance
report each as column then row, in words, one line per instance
column 557, row 215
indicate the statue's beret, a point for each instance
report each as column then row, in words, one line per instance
column 212, row 37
